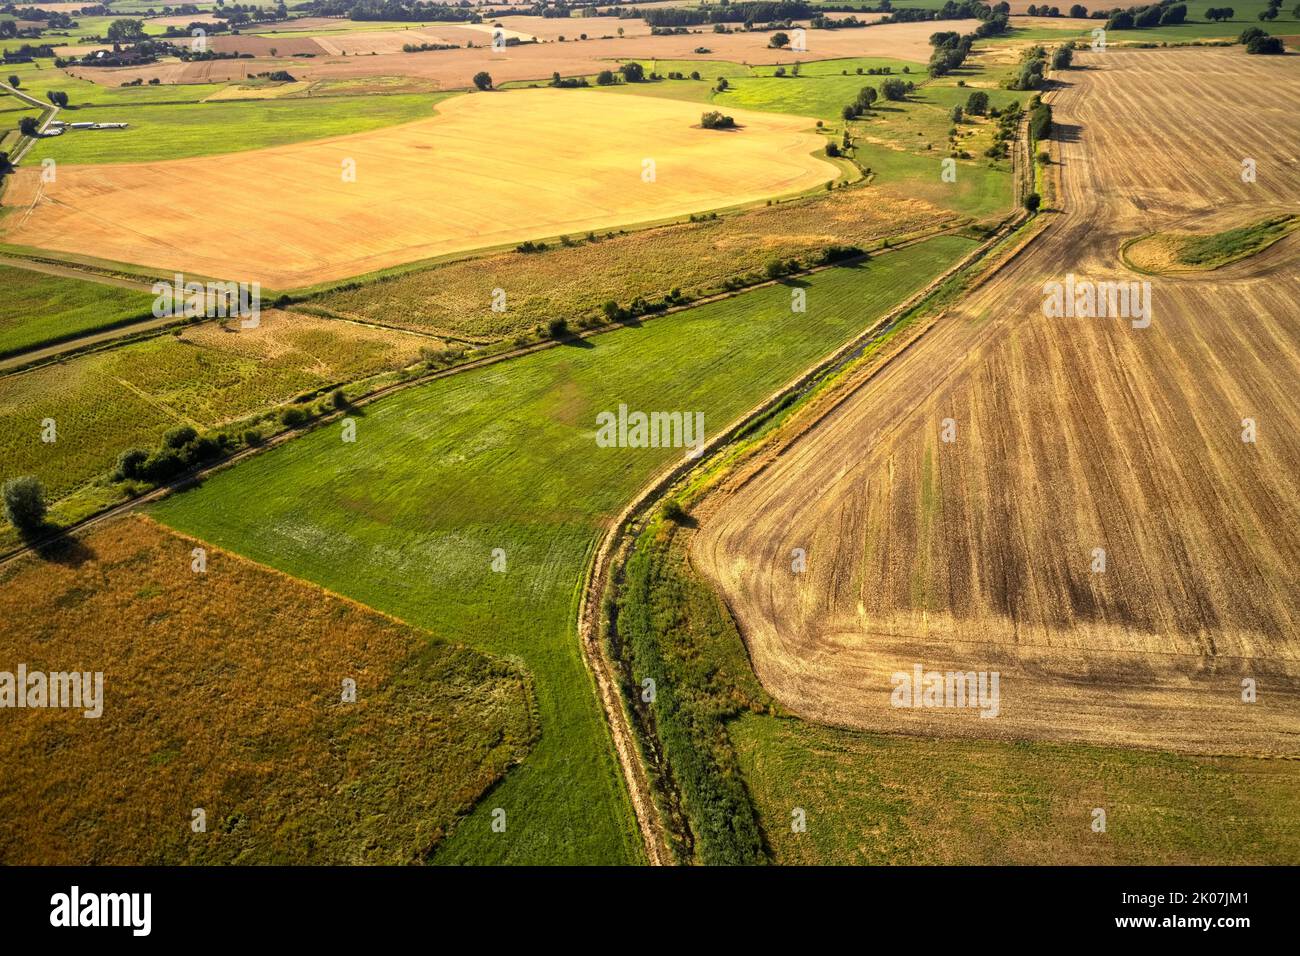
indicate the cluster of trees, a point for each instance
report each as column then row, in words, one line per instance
column 1220, row 13
column 1008, row 119
column 748, row 13
column 58, row 98
column 1032, row 67
column 182, row 448
column 1270, row 13
column 403, row 10
column 567, row 83
column 1160, row 14
column 426, row 47
column 866, row 98
column 950, row 51
column 1259, row 42
column 1040, row 119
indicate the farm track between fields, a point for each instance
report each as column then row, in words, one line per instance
column 1073, row 434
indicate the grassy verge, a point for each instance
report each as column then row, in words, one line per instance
column 407, row 519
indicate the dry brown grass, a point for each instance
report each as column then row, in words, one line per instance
column 422, row 189
column 222, row 691
column 1073, row 434
column 573, row 282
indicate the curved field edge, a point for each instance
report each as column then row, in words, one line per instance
column 224, row 691
column 406, row 520
column 749, row 773
column 1173, row 253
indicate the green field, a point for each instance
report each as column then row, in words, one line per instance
column 40, row 77
column 873, row 799
column 177, row 131
column 406, row 519
column 38, row 308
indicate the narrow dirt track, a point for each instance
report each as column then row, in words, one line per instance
column 1072, row 434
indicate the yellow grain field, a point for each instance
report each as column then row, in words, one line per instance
column 490, row 168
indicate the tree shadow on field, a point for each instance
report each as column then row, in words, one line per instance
column 1066, row 132
column 795, row 282
column 576, row 341
column 65, row 549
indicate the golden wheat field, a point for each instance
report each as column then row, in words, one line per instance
column 223, row 691
column 1070, row 435
column 296, row 215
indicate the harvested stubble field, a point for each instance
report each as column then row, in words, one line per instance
column 1072, row 434
column 573, row 282
column 407, row 518
column 223, row 691
column 106, row 402
column 455, row 69
column 423, row 189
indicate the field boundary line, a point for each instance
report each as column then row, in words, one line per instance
column 619, row 533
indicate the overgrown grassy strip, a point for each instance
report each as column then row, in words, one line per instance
column 1210, row 252
column 407, row 518
column 38, row 308
column 673, row 631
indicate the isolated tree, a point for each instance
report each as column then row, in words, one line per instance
column 1062, row 58
column 1270, row 46
column 483, row 80
column 6, row 167
column 125, row 31
column 27, row 126
column 1033, row 201
column 850, row 112
column 723, row 85
column 605, row 78
column 956, row 114
column 24, row 503
column 633, row 72
column 779, row 40
column 13, row 81
column 977, row 103
column 866, row 97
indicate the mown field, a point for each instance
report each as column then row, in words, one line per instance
column 106, row 402
column 182, row 130
column 873, row 799
column 223, row 691
column 574, row 282
column 406, row 519
column 38, row 308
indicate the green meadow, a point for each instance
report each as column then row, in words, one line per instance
column 407, row 519
column 38, row 308
column 178, row 131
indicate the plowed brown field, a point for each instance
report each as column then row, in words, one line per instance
column 1072, row 435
